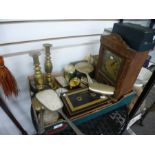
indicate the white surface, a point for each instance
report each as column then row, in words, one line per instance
column 22, row 66
column 144, row 75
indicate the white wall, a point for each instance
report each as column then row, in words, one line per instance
column 22, row 66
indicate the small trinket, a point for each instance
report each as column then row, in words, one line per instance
column 74, row 82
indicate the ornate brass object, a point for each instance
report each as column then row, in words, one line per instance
column 74, row 82
column 49, row 67
column 111, row 64
column 38, row 76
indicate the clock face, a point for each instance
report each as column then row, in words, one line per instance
column 111, row 65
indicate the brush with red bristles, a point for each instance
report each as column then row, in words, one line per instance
column 7, row 80
column 9, row 86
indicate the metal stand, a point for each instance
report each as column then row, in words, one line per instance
column 132, row 118
column 143, row 95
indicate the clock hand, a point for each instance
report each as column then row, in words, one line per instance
column 113, row 63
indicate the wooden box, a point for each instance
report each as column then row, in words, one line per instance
column 81, row 101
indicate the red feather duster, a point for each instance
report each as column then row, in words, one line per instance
column 7, row 80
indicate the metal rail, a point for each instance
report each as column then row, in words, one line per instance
column 47, row 39
column 51, row 20
column 53, row 48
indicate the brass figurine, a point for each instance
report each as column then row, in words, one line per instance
column 49, row 67
column 38, row 76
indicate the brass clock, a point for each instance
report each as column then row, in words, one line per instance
column 111, row 65
column 118, row 65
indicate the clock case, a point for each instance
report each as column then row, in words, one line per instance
column 128, row 71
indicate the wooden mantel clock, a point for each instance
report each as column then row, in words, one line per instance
column 118, row 65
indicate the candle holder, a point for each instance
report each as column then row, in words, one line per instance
column 49, row 67
column 38, row 76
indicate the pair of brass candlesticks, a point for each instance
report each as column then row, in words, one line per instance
column 41, row 80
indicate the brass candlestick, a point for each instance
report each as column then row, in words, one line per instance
column 38, row 76
column 49, row 67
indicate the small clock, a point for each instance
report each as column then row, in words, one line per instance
column 118, row 65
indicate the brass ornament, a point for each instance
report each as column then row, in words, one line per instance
column 38, row 76
column 74, row 82
column 49, row 67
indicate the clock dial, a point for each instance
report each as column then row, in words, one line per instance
column 111, row 65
